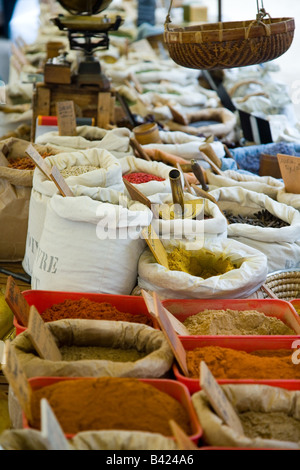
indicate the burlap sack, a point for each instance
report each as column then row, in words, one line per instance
column 29, row 439
column 99, row 333
column 244, row 398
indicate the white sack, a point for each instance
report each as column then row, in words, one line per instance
column 289, row 198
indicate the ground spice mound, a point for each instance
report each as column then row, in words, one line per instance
column 110, row 403
column 88, row 310
column 274, row 425
column 139, row 178
column 234, row 322
column 226, row 363
column 100, row 353
column 201, row 263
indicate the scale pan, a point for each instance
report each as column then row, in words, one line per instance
column 85, row 7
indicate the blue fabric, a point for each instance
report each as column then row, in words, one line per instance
column 248, row 158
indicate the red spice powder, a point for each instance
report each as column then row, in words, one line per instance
column 138, row 178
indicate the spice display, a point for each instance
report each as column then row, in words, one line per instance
column 88, row 310
column 233, row 322
column 201, row 263
column 110, row 403
column 24, row 163
column 79, row 353
column 139, row 178
column 77, row 170
column 262, row 218
column 226, row 363
column 274, row 425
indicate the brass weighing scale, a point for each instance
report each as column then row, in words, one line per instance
column 87, row 87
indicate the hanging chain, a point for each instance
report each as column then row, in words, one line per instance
column 261, row 12
column 168, row 19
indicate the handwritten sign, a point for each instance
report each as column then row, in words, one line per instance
column 17, row 379
column 66, row 118
column 182, row 440
column 156, row 246
column 51, row 429
column 290, row 171
column 60, row 183
column 177, row 325
column 218, row 399
column 41, row 338
column 16, row 302
column 38, row 161
column 171, row 336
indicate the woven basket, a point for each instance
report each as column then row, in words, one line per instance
column 227, row 45
column 284, row 284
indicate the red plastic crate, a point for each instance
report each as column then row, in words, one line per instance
column 43, row 300
column 252, row 343
column 175, row 389
column 182, row 309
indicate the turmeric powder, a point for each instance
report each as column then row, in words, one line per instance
column 202, row 263
column 226, row 363
column 110, row 403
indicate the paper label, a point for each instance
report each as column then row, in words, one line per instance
column 66, row 118
column 51, row 430
column 38, row 161
column 41, row 337
column 182, row 440
column 156, row 246
column 171, row 336
column 218, row 399
column 290, row 172
column 17, row 379
column 16, row 302
column 60, row 183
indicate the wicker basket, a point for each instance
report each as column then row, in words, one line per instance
column 227, row 45
column 284, row 284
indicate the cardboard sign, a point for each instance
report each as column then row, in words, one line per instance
column 182, row 440
column 51, row 430
column 60, row 183
column 66, row 117
column 218, row 399
column 16, row 302
column 136, row 195
column 290, row 171
column 17, row 379
column 177, row 325
column 156, row 246
column 171, row 336
column 38, row 161
column 41, row 337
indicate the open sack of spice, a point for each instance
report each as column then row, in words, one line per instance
column 102, row 253
column 290, row 199
column 16, row 179
column 93, row 168
column 13, row 116
column 148, row 177
column 260, row 184
column 202, row 219
column 219, row 268
column 262, row 223
column 116, row 141
column 269, row 417
column 30, row 439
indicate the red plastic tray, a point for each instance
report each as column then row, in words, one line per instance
column 253, row 343
column 295, row 303
column 175, row 389
column 281, row 309
column 46, row 299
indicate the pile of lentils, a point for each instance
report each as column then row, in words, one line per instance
column 139, row 178
column 262, row 218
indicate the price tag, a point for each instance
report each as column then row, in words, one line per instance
column 41, row 337
column 60, row 183
column 38, row 161
column 17, row 379
column 171, row 336
column 290, row 172
column 66, row 118
column 177, row 325
column 156, row 246
column 218, row 399
column 51, row 429
column 182, row 440
column 16, row 302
